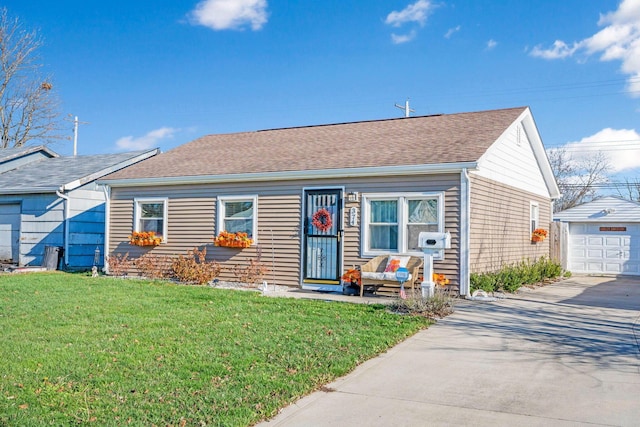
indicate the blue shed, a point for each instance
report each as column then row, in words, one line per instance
column 51, row 200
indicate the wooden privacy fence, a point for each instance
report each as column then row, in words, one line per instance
column 559, row 242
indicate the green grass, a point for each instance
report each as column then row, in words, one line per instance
column 104, row 351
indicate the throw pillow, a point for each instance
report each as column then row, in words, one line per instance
column 395, row 262
column 392, row 266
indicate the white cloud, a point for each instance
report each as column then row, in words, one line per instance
column 452, row 31
column 559, row 50
column 491, row 44
column 416, row 12
column 621, row 146
column 150, row 140
column 619, row 40
column 403, row 38
column 230, row 14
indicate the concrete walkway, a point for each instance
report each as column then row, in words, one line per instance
column 562, row 355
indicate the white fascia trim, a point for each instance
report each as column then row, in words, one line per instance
column 428, row 169
column 530, row 128
column 114, row 168
column 72, row 185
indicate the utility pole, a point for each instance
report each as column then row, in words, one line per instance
column 75, row 134
column 405, row 107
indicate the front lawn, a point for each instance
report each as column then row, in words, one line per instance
column 105, row 351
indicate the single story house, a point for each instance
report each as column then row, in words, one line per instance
column 318, row 200
column 50, row 200
column 602, row 236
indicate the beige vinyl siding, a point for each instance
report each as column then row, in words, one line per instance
column 500, row 228
column 449, row 184
column 191, row 221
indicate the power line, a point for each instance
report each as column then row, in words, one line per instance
column 609, row 186
column 598, row 148
column 554, row 88
column 623, row 141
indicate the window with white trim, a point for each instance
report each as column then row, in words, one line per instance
column 151, row 215
column 534, row 215
column 392, row 222
column 238, row 214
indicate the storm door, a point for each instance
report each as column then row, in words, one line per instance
column 322, row 233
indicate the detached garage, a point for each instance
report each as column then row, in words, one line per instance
column 603, row 237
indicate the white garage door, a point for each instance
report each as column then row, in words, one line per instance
column 604, row 248
column 9, row 232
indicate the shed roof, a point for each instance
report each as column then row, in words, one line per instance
column 439, row 139
column 604, row 209
column 51, row 174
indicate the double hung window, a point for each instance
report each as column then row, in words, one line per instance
column 238, row 214
column 151, row 215
column 534, row 216
column 393, row 222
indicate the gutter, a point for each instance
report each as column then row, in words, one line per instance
column 33, row 190
column 107, row 222
column 65, row 243
column 429, row 169
column 465, row 233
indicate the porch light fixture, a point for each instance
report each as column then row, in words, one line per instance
column 352, row 196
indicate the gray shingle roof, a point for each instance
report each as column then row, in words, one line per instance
column 48, row 175
column 450, row 138
column 8, row 154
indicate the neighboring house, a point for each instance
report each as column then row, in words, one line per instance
column 482, row 176
column 49, row 200
column 602, row 237
column 13, row 158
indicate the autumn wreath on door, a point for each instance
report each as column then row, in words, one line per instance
column 321, row 220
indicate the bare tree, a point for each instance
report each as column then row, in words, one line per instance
column 28, row 105
column 579, row 177
column 630, row 190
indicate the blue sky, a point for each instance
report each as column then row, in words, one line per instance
column 161, row 73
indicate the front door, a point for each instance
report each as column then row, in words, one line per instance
column 322, row 234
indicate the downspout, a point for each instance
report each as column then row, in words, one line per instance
column 107, row 209
column 465, row 231
column 65, row 243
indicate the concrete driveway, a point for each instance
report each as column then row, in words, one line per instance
column 566, row 354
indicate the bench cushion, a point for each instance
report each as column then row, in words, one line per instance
column 388, row 277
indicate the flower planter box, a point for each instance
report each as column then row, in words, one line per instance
column 539, row 235
column 144, row 238
column 233, row 240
